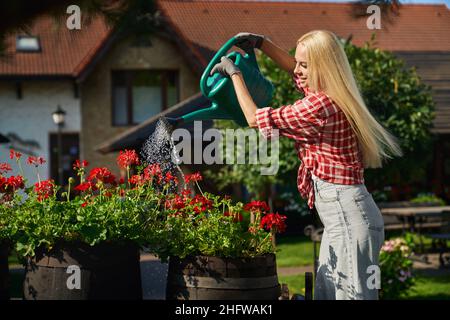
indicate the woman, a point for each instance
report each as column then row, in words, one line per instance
column 336, row 138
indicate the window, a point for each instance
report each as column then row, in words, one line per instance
column 28, row 44
column 140, row 94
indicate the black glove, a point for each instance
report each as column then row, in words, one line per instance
column 225, row 67
column 248, row 41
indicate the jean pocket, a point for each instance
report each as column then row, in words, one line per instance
column 369, row 211
column 327, row 193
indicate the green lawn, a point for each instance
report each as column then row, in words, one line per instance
column 298, row 251
column 296, row 283
column 294, row 251
column 426, row 288
column 431, row 288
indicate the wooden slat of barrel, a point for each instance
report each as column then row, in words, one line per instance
column 107, row 272
column 214, row 278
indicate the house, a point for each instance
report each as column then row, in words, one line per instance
column 105, row 83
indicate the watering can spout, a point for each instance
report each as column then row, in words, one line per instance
column 172, row 123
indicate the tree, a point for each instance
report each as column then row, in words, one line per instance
column 394, row 94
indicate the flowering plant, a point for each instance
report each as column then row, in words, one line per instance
column 151, row 207
column 396, row 267
column 100, row 208
column 207, row 224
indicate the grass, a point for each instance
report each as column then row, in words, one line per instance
column 296, row 283
column 294, row 251
column 426, row 287
column 430, row 288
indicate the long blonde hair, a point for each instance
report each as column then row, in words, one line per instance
column 329, row 71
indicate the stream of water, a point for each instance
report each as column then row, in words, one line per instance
column 160, row 148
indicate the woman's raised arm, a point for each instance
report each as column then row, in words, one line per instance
column 280, row 56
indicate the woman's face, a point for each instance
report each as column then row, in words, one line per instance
column 301, row 68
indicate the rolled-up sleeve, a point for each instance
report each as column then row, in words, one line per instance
column 301, row 121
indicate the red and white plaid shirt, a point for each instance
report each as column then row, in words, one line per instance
column 326, row 144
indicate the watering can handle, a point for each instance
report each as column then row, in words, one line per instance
column 216, row 59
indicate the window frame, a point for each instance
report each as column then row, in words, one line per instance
column 128, row 75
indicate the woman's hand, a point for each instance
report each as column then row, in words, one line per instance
column 248, row 41
column 225, row 67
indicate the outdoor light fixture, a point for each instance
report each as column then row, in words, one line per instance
column 59, row 116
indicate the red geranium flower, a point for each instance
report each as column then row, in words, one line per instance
column 85, row 186
column 11, row 184
column 14, row 154
column 170, row 177
column 80, row 165
column 35, row 160
column 127, row 158
column 200, row 203
column 16, row 182
column 260, row 206
column 137, row 179
column 177, row 203
column 193, row 177
column 153, row 170
column 5, row 167
column 101, row 174
column 44, row 189
column 273, row 220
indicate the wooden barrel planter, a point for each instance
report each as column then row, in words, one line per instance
column 77, row 271
column 4, row 270
column 215, row 278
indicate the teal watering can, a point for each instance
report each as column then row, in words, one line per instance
column 219, row 89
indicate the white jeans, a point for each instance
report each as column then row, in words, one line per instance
column 351, row 242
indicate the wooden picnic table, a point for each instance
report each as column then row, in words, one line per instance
column 414, row 217
column 415, row 211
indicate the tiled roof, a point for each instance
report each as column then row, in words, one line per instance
column 208, row 24
column 64, row 52
column 203, row 26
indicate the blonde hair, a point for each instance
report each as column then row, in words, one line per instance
column 329, row 71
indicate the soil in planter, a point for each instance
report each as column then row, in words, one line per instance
column 80, row 272
column 215, row 278
column 4, row 271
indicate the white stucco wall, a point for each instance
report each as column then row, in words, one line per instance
column 31, row 118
